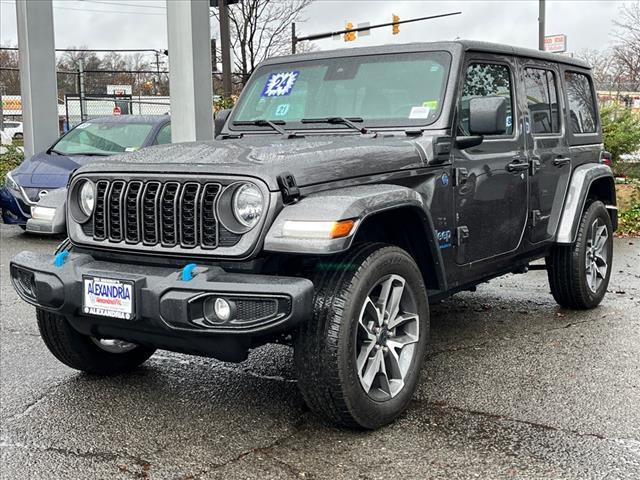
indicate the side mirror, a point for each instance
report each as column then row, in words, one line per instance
column 487, row 115
column 219, row 121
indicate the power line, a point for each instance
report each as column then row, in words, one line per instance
column 141, row 4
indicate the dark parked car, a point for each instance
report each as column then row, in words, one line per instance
column 346, row 191
column 47, row 171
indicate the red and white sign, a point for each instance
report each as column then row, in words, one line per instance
column 116, row 110
column 555, row 43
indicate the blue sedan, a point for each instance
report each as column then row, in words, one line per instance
column 48, row 171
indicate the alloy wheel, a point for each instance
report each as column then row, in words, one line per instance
column 596, row 255
column 387, row 334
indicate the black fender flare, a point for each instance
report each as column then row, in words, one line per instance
column 580, row 184
column 349, row 203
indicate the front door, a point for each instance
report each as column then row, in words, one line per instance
column 491, row 178
column 548, row 148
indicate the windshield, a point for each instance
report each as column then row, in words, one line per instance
column 383, row 90
column 103, row 138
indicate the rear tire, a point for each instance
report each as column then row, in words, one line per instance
column 84, row 353
column 579, row 273
column 358, row 358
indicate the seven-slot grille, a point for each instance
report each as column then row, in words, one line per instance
column 167, row 213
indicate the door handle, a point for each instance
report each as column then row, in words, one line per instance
column 561, row 161
column 517, row 167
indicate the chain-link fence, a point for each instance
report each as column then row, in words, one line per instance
column 92, row 93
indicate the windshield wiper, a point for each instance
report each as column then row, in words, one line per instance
column 264, row 123
column 57, row 152
column 89, row 154
column 349, row 122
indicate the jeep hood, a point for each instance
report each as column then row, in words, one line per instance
column 313, row 159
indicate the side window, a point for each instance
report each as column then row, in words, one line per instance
column 486, row 80
column 164, row 135
column 582, row 107
column 542, row 100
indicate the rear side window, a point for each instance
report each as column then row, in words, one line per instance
column 582, row 106
column 486, row 80
column 542, row 100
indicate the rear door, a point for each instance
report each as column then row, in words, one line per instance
column 491, row 193
column 549, row 153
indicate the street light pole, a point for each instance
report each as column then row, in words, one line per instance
column 541, row 19
column 225, row 45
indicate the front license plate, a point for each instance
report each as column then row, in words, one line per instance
column 108, row 297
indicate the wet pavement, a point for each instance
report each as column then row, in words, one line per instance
column 512, row 387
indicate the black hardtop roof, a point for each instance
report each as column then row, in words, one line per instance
column 152, row 119
column 457, row 46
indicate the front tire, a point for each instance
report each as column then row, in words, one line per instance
column 358, row 359
column 579, row 273
column 88, row 354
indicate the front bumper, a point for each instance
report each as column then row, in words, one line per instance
column 170, row 313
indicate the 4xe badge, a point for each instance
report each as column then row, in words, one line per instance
column 444, row 238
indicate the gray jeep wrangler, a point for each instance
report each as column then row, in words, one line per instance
column 345, row 192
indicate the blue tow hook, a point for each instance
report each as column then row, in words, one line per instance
column 59, row 259
column 187, row 272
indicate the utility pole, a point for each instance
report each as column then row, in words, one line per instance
column 157, row 92
column 83, row 106
column 225, row 44
column 294, row 40
column 541, row 12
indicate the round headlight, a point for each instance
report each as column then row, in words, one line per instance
column 87, row 198
column 248, row 204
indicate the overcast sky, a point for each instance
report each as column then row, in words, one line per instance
column 142, row 23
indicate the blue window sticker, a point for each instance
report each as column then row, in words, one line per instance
column 280, row 84
column 445, row 179
column 509, row 121
column 282, row 110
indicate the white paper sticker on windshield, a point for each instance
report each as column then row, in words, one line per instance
column 280, row 84
column 419, row 112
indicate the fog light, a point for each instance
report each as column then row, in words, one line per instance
column 43, row 213
column 222, row 309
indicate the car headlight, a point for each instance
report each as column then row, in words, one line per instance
column 87, row 197
column 10, row 183
column 248, row 204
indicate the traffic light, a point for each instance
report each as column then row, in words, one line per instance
column 349, row 36
column 395, row 27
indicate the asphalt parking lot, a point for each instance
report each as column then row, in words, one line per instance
column 513, row 387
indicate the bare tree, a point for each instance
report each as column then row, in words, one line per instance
column 9, row 76
column 261, row 29
column 626, row 51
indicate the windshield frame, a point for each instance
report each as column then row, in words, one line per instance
column 154, row 128
column 378, row 124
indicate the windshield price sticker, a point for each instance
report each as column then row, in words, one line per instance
column 280, row 84
column 107, row 297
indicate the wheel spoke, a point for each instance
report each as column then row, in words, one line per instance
column 364, row 354
column 385, row 293
column 372, row 369
column 392, row 362
column 394, row 301
column 402, row 341
column 400, row 320
column 369, row 316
